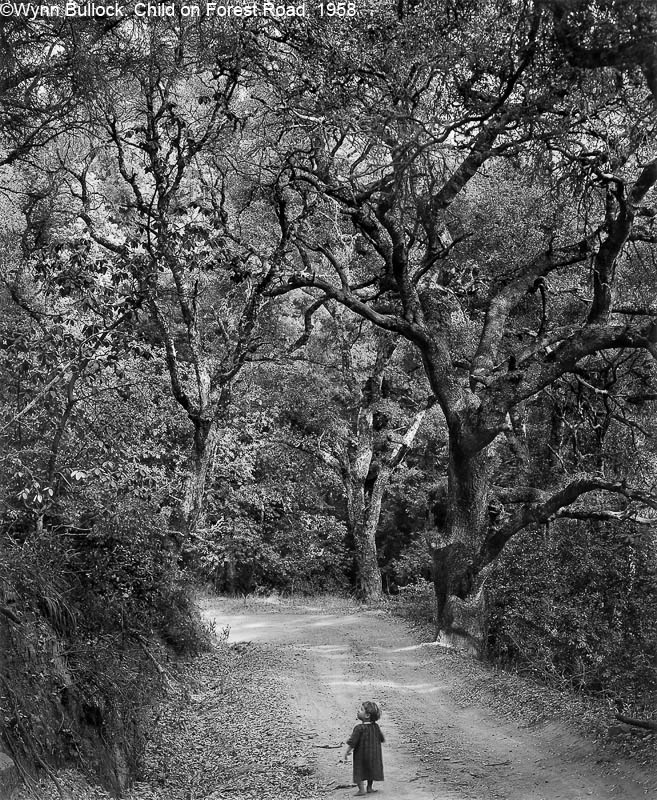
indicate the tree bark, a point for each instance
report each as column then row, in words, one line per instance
column 455, row 557
column 193, row 502
column 371, row 587
column 356, row 462
column 362, row 526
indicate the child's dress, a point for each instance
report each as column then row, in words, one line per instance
column 366, row 741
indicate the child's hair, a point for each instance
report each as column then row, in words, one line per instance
column 372, row 709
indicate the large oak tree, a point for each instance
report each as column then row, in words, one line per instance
column 481, row 183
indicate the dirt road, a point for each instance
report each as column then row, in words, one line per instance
column 436, row 747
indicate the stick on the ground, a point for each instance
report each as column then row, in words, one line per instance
column 648, row 724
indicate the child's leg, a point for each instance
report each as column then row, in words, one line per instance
column 361, row 789
column 370, row 789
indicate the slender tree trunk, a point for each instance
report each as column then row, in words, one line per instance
column 355, row 472
column 372, row 513
column 193, row 503
column 371, row 588
column 362, row 527
column 371, row 584
column 231, row 573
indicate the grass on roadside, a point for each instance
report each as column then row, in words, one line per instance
column 274, row 603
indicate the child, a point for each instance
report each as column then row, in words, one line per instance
column 365, row 741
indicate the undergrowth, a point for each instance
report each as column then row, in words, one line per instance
column 416, row 603
column 273, row 602
column 92, row 624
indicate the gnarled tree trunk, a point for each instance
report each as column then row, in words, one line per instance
column 459, row 542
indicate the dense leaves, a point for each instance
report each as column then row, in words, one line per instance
column 577, row 603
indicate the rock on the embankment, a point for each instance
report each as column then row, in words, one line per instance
column 9, row 776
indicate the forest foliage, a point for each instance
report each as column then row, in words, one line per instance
column 324, row 305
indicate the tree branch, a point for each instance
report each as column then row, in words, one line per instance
column 400, row 450
column 552, row 506
column 308, row 324
column 509, row 296
column 605, row 515
column 346, row 297
column 513, row 387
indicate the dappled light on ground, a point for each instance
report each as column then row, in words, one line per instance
column 422, row 688
column 290, row 627
column 440, row 743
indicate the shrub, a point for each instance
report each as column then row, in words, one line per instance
column 417, row 602
column 579, row 605
column 89, row 616
column 303, row 552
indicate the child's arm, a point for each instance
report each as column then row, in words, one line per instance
column 352, row 741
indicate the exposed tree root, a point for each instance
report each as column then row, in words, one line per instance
column 648, row 724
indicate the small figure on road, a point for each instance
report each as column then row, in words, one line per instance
column 365, row 741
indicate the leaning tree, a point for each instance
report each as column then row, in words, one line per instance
column 478, row 179
column 374, row 410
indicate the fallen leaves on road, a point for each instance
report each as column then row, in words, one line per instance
column 224, row 733
column 534, row 705
column 232, row 737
